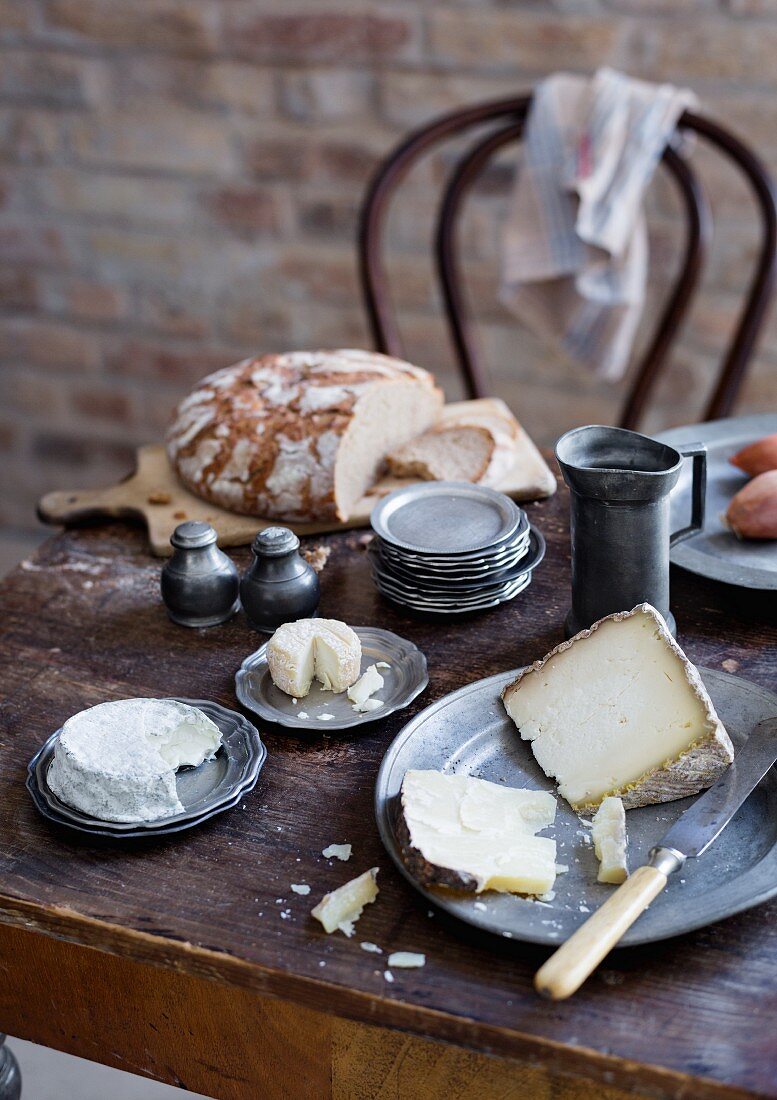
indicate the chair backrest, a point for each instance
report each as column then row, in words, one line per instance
column 506, row 118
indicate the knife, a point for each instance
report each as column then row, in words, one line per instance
column 690, row 837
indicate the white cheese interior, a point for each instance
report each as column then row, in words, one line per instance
column 609, row 837
column 482, row 830
column 610, row 709
column 368, row 683
column 323, row 649
column 117, row 761
column 342, row 907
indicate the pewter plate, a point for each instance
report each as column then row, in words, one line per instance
column 446, row 517
column 215, row 786
column 405, row 678
column 440, row 585
column 469, row 732
column 478, row 558
column 472, row 567
column 715, row 552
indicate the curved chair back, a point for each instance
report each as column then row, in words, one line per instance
column 507, row 118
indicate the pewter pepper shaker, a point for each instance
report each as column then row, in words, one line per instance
column 278, row 587
column 199, row 583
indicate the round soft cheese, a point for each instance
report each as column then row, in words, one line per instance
column 117, row 761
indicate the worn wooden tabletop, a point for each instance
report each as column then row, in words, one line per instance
column 82, row 622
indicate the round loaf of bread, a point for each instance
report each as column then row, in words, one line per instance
column 300, row 436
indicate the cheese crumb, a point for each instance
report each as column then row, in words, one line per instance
column 479, row 905
column 388, row 975
column 337, row 851
column 300, row 888
column 372, row 948
column 561, row 868
column 367, row 705
column 341, row 908
column 326, row 717
column 302, row 714
column 406, row 960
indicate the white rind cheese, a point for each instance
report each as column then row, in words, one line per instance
column 117, row 761
column 608, row 831
column 341, row 908
column 620, row 710
column 322, row 649
column 473, row 835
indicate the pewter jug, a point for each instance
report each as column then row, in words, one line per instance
column 278, row 587
column 199, row 582
column 619, row 484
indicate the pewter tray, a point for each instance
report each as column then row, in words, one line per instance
column 215, row 786
column 470, row 732
column 716, row 552
column 404, row 680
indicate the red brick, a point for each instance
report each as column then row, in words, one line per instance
column 123, row 199
column 348, row 162
column 29, row 136
column 48, row 344
column 246, row 211
column 168, row 25
column 102, row 404
column 314, row 95
column 329, row 218
column 30, row 244
column 8, row 436
column 281, row 159
column 18, row 289
column 35, row 392
column 61, row 449
column 523, row 40
column 16, row 15
column 86, row 299
column 157, row 137
column 51, row 80
column 186, row 366
column 175, row 310
column 332, row 35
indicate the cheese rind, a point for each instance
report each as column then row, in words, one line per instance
column 323, row 649
column 620, row 710
column 341, row 908
column 117, row 761
column 472, row 835
column 608, row 831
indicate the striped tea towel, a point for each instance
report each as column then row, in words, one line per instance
column 575, row 253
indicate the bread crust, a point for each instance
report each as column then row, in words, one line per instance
column 262, row 437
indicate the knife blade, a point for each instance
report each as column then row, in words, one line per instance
column 690, row 836
column 704, row 821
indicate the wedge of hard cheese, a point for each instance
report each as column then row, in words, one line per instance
column 620, row 710
column 472, row 835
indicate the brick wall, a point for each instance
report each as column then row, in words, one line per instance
column 180, row 178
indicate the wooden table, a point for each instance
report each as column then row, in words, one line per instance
column 192, row 961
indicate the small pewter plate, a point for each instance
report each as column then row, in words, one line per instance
column 405, row 678
column 446, row 518
column 463, row 562
column 716, row 552
column 456, row 607
column 213, row 787
column 470, row 733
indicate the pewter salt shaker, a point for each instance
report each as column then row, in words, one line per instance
column 199, row 583
column 279, row 586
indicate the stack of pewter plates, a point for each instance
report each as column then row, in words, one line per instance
column 450, row 547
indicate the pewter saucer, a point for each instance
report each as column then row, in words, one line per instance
column 213, row 787
column 405, row 678
column 446, row 518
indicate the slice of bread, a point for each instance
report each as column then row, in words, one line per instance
column 477, row 445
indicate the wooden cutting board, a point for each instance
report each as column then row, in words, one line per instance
column 154, row 494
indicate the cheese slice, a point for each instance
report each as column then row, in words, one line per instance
column 368, row 683
column 620, row 710
column 341, row 908
column 609, row 836
column 469, row 834
column 322, row 649
column 117, row 761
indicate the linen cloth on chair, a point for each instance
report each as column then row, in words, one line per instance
column 575, row 248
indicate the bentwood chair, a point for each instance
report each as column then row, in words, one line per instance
column 506, row 119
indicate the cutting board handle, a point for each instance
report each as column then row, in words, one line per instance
column 83, row 504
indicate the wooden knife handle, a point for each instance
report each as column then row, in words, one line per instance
column 567, row 969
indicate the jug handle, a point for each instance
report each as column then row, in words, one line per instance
column 698, row 452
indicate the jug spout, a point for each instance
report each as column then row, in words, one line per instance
column 616, row 464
